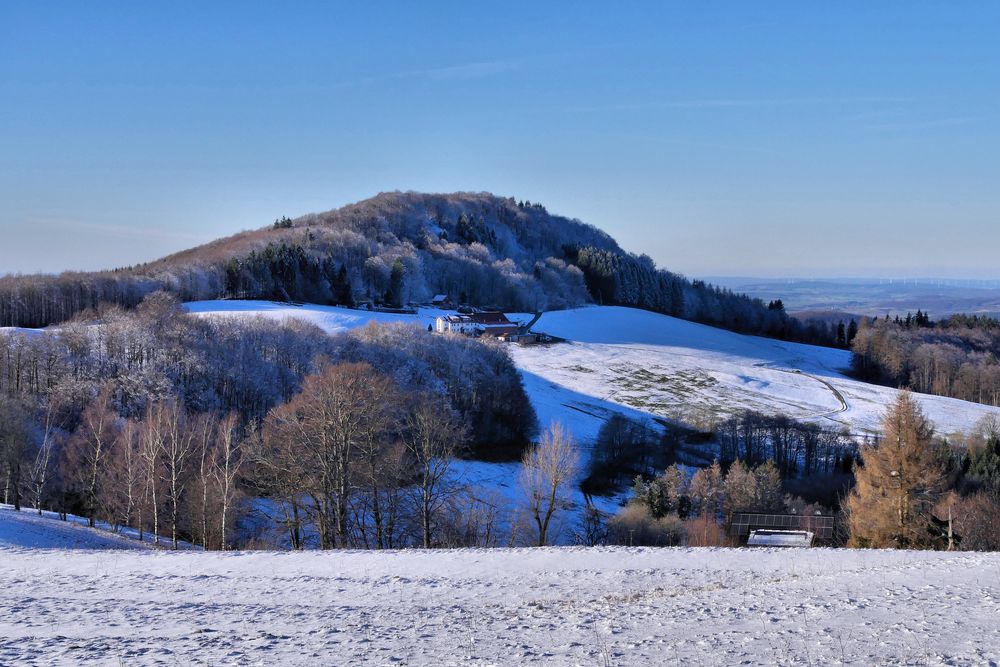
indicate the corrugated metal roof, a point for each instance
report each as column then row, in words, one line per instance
column 780, row 538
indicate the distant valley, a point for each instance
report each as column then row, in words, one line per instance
column 872, row 296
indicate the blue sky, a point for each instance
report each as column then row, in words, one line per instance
column 764, row 138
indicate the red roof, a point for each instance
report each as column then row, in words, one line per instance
column 490, row 318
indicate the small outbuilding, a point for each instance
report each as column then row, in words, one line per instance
column 442, row 301
column 780, row 530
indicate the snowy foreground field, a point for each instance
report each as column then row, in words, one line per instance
column 564, row 606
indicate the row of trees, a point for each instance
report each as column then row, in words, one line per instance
column 956, row 357
column 617, row 278
column 167, row 472
column 677, row 507
column 287, row 272
column 41, row 300
column 796, row 448
column 352, row 460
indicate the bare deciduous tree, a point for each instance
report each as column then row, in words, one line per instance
column 177, row 440
column 548, row 472
column 433, row 437
column 227, row 465
column 127, row 481
column 41, row 467
column 89, row 449
column 15, row 445
column 322, row 428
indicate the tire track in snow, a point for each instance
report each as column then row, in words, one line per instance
column 844, row 405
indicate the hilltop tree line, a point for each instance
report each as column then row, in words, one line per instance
column 621, row 279
column 956, row 357
column 400, row 248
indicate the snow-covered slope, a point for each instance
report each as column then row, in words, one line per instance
column 27, row 528
column 693, row 373
column 572, row 606
column 328, row 318
column 645, row 364
column 20, row 330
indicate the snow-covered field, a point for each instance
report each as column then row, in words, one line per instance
column 20, row 330
column 645, row 364
column 563, row 606
column 328, row 318
column 693, row 373
column 331, row 319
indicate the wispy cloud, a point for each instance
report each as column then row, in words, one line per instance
column 902, row 120
column 738, row 103
column 927, row 124
column 467, row 71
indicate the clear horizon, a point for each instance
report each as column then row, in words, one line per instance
column 775, row 140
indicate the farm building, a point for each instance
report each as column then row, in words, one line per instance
column 494, row 324
column 477, row 324
column 442, row 301
column 454, row 324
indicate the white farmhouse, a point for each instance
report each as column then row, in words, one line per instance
column 462, row 324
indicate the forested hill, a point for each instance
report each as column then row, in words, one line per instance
column 397, row 248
